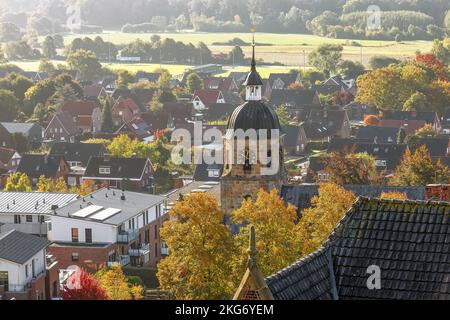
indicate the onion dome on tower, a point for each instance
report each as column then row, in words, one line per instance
column 253, row 114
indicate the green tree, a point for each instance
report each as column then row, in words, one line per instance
column 347, row 69
column 237, row 56
column 107, row 121
column 16, row 83
column 86, row 63
column 20, row 142
column 124, row 79
column 47, row 66
column 9, row 106
column 377, row 62
column 418, row 169
column 194, row 82
column 49, row 48
column 283, row 115
column 326, row 58
column 401, row 136
column 417, row 102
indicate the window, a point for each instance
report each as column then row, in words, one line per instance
column 4, row 281
column 104, row 170
column 75, row 235
column 88, row 235
column 17, row 219
column 213, row 173
column 33, row 268
column 75, row 257
column 42, row 219
column 29, row 218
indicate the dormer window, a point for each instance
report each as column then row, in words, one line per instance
column 104, row 170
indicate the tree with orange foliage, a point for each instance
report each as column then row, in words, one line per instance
column 394, row 195
column 295, row 86
column 275, row 223
column 82, row 286
column 371, row 121
column 327, row 210
column 431, row 61
column 201, row 250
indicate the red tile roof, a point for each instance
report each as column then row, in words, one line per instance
column 208, row 97
column 79, row 108
column 128, row 104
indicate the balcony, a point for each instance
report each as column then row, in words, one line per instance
column 124, row 261
column 142, row 251
column 164, row 251
column 126, row 237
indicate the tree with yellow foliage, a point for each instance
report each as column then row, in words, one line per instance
column 393, row 195
column 18, row 182
column 49, row 185
column 275, row 224
column 201, row 250
column 116, row 285
column 327, row 210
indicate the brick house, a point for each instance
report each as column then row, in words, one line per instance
column 123, row 173
column 87, row 115
column 62, row 127
column 108, row 226
column 124, row 111
column 27, row 272
column 203, row 99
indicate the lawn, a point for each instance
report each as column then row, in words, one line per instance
column 289, row 49
column 174, row 69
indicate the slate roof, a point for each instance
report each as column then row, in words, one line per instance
column 408, row 240
column 295, row 97
column 121, row 168
column 219, row 111
column 138, row 127
column 218, row 83
column 300, row 195
column 36, row 165
column 239, row 77
column 438, row 147
column 311, row 278
column 292, row 134
column 92, row 91
column 391, row 153
column 20, row 247
column 178, row 110
column 324, row 123
column 428, row 116
column 378, row 134
column 446, row 119
column 410, row 126
column 287, row 78
column 201, row 172
column 18, row 127
column 77, row 151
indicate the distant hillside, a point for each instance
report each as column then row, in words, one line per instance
column 400, row 19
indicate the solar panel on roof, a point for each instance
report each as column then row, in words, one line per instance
column 105, row 214
column 85, row 212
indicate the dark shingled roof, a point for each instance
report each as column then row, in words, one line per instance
column 311, row 278
column 408, row 240
column 253, row 115
column 378, row 134
column 438, row 147
column 201, row 172
column 36, row 165
column 20, row 247
column 324, row 123
column 77, row 151
column 428, row 116
column 121, row 168
column 297, row 97
column 300, row 195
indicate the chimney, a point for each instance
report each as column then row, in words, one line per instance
column 123, row 196
column 438, row 192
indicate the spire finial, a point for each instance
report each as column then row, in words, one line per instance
column 253, row 30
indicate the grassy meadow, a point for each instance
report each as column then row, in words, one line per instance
column 289, row 49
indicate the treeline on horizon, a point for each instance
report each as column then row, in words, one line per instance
column 401, row 19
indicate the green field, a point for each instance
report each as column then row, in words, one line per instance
column 174, row 69
column 288, row 49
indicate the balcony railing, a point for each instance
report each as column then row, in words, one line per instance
column 143, row 250
column 124, row 261
column 164, row 251
column 127, row 236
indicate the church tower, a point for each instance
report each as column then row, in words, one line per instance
column 246, row 168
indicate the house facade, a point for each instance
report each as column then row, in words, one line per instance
column 27, row 271
column 108, row 226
